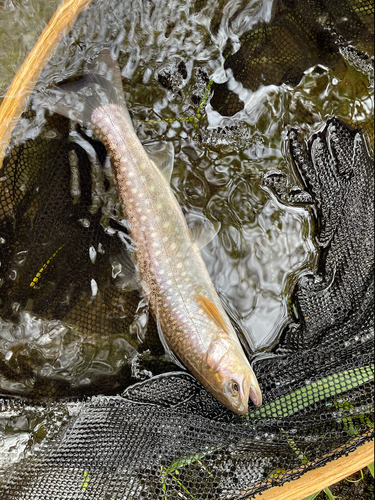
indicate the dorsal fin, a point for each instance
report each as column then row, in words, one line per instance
column 211, row 310
column 162, row 155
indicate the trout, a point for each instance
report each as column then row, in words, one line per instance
column 174, row 279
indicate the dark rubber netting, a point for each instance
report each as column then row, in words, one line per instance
column 166, row 437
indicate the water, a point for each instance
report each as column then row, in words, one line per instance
column 27, row 19
column 168, row 52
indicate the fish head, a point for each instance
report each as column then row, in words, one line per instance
column 230, row 377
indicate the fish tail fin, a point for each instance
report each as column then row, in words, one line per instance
column 99, row 86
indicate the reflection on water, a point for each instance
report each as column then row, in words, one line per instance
column 251, row 268
column 170, row 53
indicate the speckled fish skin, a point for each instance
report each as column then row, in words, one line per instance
column 172, row 270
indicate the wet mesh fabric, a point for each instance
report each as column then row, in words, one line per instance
column 168, row 436
column 300, row 35
column 85, row 385
column 343, row 286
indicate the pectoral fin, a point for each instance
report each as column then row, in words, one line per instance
column 211, row 310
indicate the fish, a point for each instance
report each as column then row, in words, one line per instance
column 191, row 320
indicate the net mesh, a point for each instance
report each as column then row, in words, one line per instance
column 86, row 389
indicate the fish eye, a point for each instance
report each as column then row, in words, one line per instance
column 234, row 389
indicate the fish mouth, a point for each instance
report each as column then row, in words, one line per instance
column 253, row 389
column 255, row 395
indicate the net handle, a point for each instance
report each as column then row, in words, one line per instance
column 322, row 477
column 26, row 77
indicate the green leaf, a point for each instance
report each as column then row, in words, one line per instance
column 371, row 468
column 182, row 462
column 328, row 492
column 311, row 497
